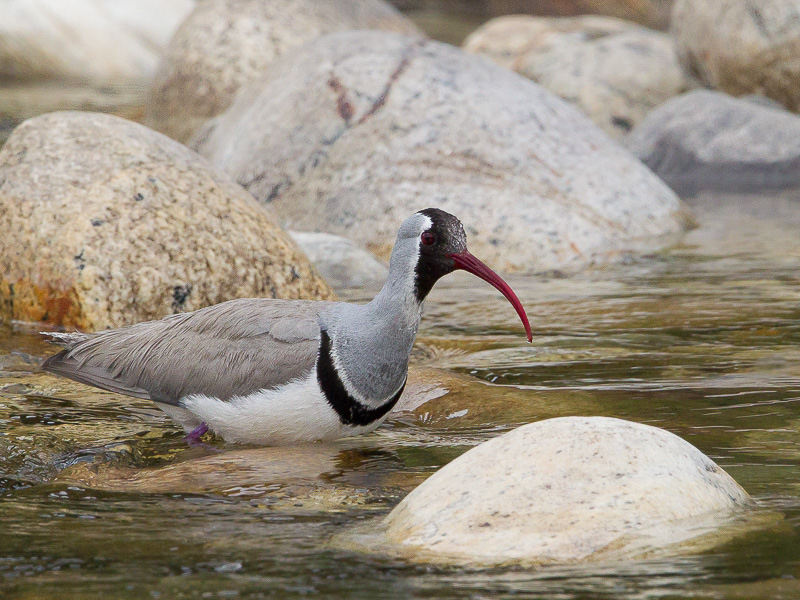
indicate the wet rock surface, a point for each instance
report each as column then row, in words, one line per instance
column 741, row 47
column 357, row 130
column 115, row 224
column 564, row 490
column 613, row 71
column 707, row 140
column 225, row 44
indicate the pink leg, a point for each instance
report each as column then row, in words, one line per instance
column 196, row 434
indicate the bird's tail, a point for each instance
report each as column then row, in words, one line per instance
column 65, row 340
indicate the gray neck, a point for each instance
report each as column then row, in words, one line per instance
column 372, row 341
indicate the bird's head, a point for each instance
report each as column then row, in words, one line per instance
column 434, row 242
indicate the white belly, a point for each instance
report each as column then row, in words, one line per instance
column 293, row 413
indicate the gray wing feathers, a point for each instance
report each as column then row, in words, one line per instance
column 230, row 349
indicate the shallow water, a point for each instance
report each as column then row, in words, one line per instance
column 99, row 496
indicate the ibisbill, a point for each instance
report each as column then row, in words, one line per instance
column 272, row 372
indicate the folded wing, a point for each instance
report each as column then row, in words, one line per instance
column 230, row 349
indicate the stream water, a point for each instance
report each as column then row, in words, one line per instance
column 101, row 498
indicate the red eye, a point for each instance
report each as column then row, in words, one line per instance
column 428, row 238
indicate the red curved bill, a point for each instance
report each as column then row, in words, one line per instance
column 467, row 262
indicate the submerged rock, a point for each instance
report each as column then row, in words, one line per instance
column 113, row 224
column 356, row 130
column 565, row 490
column 231, row 471
column 88, row 54
column 706, row 140
column 225, row 44
column 614, row 71
column 741, row 47
column 342, row 263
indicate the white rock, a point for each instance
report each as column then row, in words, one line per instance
column 614, row 71
column 341, row 263
column 225, row 44
column 741, row 47
column 356, row 130
column 564, row 490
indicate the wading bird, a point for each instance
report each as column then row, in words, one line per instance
column 273, row 372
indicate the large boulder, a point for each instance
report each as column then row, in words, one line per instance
column 353, row 132
column 225, row 44
column 566, row 490
column 109, row 223
column 614, row 71
column 706, row 140
column 90, row 54
column 741, row 47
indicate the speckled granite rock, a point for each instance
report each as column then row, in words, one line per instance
column 342, row 263
column 357, row 130
column 225, row 44
column 709, row 141
column 111, row 223
column 614, row 71
column 87, row 54
column 741, row 47
column 566, row 490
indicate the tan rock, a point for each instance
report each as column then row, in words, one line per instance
column 565, row 490
column 356, row 130
column 109, row 223
column 741, row 47
column 232, row 470
column 652, row 13
column 615, row 72
column 225, row 44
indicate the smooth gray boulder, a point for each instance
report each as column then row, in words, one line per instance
column 341, row 263
column 566, row 490
column 707, row 140
column 741, row 47
column 355, row 131
column 225, row 44
column 112, row 223
column 615, row 72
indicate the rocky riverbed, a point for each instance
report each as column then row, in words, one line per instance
column 643, row 445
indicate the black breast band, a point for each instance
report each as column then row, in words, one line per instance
column 350, row 410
